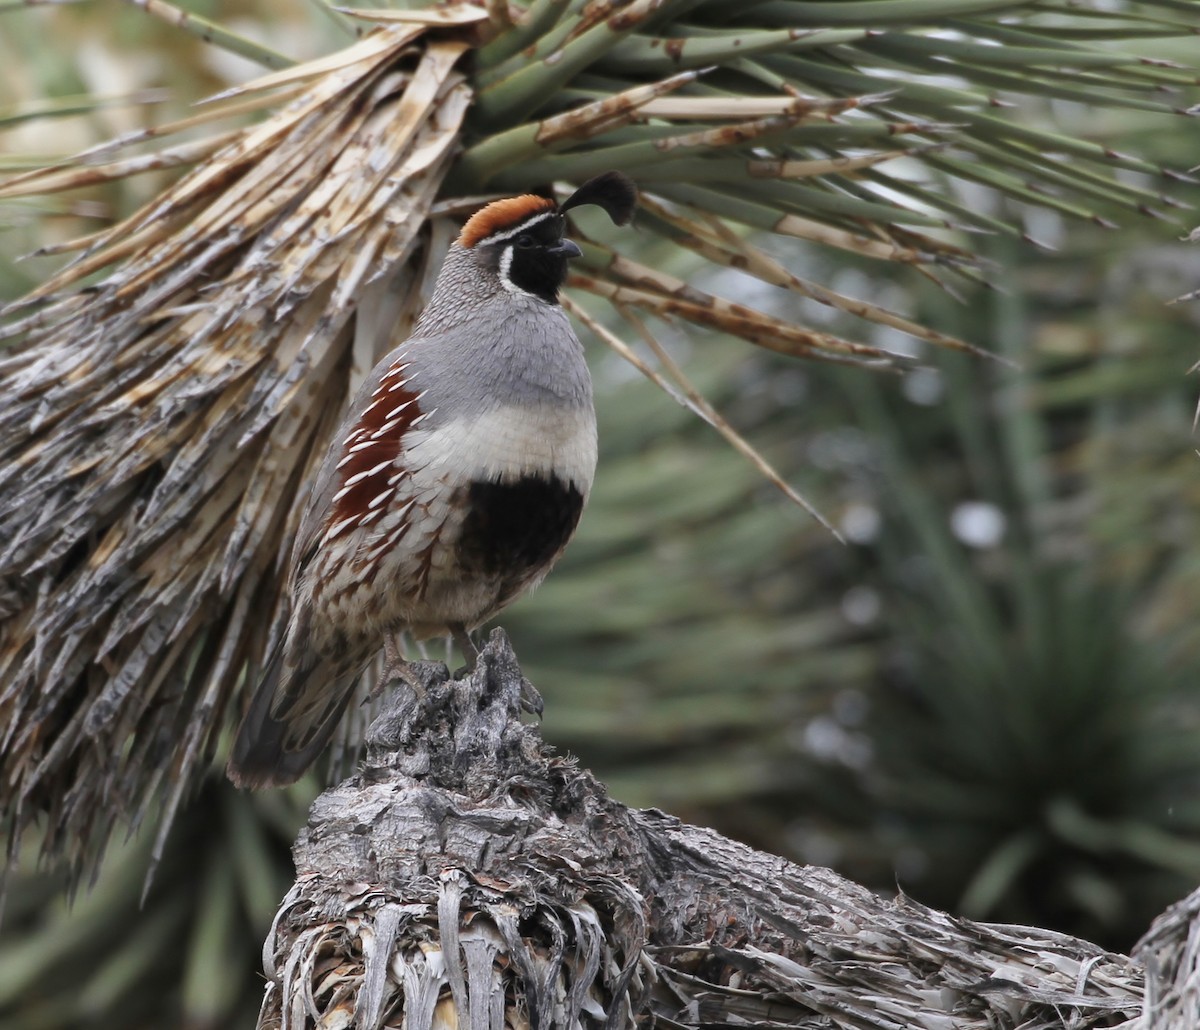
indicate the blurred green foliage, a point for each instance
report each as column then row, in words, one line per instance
column 987, row 697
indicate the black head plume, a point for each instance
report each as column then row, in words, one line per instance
column 612, row 191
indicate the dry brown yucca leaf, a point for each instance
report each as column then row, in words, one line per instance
column 639, row 286
column 714, row 240
column 677, row 384
column 158, row 431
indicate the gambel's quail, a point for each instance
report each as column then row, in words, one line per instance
column 453, row 484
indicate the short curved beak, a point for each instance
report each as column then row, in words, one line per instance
column 567, row 248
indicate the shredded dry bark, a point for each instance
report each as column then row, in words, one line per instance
column 470, row 876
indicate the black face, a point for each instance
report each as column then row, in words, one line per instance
column 534, row 258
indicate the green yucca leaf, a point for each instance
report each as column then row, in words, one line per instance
column 541, row 16
column 63, row 107
column 639, row 55
column 332, row 13
column 876, row 12
column 214, row 34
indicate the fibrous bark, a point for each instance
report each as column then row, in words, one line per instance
column 469, row 876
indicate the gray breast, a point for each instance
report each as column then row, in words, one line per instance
column 514, row 351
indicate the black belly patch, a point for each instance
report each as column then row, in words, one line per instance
column 516, row 527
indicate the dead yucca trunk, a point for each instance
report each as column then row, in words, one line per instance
column 470, row 877
column 157, row 430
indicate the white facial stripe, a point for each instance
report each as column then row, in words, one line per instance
column 496, row 237
column 506, row 260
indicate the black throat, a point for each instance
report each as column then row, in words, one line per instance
column 538, row 271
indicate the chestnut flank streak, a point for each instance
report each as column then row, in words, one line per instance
column 370, row 452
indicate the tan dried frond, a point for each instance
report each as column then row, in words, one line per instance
column 453, row 952
column 714, row 240
column 159, row 424
column 639, row 286
column 677, row 384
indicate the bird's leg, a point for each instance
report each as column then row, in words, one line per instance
column 392, row 656
column 465, row 644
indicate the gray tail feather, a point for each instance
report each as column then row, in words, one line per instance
column 264, row 751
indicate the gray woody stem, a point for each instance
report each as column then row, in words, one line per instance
column 470, row 878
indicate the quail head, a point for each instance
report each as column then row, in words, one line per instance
column 453, row 484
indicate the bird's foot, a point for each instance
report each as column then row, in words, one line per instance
column 396, row 667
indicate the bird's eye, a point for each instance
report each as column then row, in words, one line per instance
column 525, row 240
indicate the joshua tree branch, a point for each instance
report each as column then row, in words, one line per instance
column 469, row 877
